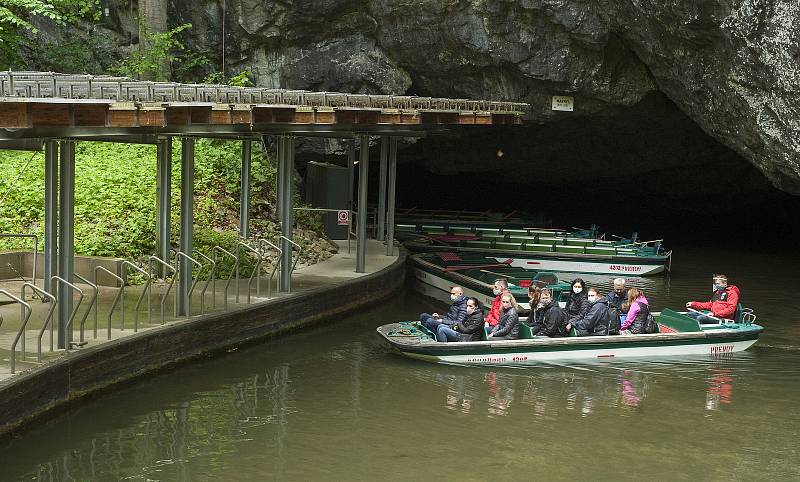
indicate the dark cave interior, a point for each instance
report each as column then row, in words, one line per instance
column 645, row 168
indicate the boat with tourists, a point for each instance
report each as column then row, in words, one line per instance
column 476, row 276
column 677, row 335
column 542, row 250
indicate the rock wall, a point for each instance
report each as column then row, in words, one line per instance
column 732, row 66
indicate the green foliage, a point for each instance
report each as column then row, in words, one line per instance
column 163, row 49
column 242, row 79
column 16, row 15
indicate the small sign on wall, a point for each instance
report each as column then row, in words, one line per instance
column 563, row 102
column 343, row 218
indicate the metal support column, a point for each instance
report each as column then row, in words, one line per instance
column 361, row 226
column 287, row 217
column 381, row 221
column 351, row 167
column 244, row 194
column 187, row 223
column 391, row 196
column 66, row 238
column 50, row 214
column 163, row 200
column 279, row 148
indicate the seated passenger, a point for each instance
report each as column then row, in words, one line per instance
column 455, row 314
column 577, row 304
column 595, row 322
column 500, row 287
column 619, row 294
column 468, row 330
column 722, row 304
column 638, row 311
column 508, row 327
column 547, row 319
column 533, row 299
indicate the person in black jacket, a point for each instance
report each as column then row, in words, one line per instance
column 548, row 319
column 467, row 330
column 508, row 326
column 595, row 322
column 577, row 303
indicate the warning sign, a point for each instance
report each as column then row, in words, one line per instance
column 344, row 218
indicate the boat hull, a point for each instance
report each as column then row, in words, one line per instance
column 719, row 342
column 577, row 263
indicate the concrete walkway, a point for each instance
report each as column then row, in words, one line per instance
column 335, row 270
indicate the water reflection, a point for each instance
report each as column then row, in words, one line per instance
column 720, row 388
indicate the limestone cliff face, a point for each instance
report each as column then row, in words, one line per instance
column 732, row 66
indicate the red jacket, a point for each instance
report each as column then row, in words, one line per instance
column 723, row 303
column 494, row 314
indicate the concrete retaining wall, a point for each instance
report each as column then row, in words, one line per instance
column 26, row 397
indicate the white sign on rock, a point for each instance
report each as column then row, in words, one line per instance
column 563, row 102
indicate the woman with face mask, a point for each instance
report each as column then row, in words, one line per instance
column 577, row 303
column 467, row 330
column 547, row 318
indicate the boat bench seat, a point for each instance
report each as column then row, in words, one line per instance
column 676, row 322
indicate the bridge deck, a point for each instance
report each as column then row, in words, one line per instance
column 44, row 104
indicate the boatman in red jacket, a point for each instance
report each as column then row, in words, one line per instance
column 500, row 288
column 722, row 304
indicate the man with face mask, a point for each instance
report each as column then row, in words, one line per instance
column 723, row 302
column 468, row 330
column 500, row 288
column 455, row 314
column 595, row 322
column 547, row 319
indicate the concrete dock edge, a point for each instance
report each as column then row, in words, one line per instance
column 57, row 384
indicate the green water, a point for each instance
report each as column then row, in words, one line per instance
column 334, row 404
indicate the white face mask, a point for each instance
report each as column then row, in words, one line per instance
column 453, row 297
column 576, row 289
column 592, row 298
column 544, row 302
column 497, row 291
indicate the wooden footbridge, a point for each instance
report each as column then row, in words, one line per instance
column 53, row 111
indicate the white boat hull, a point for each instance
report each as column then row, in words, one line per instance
column 583, row 266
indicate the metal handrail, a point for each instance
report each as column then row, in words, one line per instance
column 160, row 261
column 254, row 274
column 116, row 298
column 274, row 268
column 21, row 330
column 296, row 258
column 213, row 265
column 147, row 289
column 181, row 254
column 61, row 280
column 54, row 300
column 35, row 249
column 92, row 302
column 230, row 275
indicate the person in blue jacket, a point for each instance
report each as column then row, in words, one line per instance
column 455, row 314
